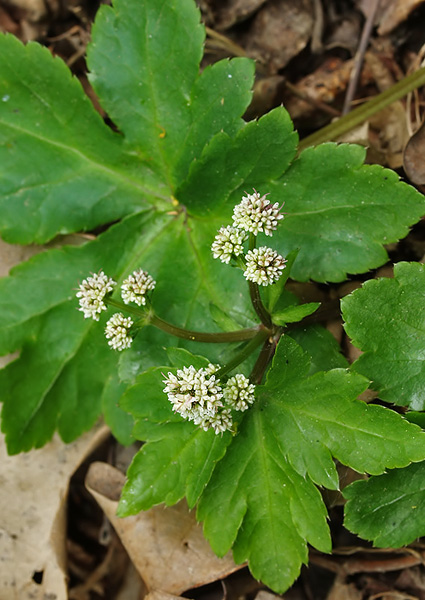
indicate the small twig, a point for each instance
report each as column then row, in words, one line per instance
column 358, row 59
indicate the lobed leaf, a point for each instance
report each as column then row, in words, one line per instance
column 144, row 61
column 261, row 499
column 340, row 212
column 261, row 151
column 256, row 503
column 81, row 175
column 321, row 346
column 386, row 319
column 390, row 509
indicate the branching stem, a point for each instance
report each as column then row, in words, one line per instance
column 259, row 339
column 148, row 317
column 263, row 360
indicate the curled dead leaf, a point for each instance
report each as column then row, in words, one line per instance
column 165, row 544
column 414, row 156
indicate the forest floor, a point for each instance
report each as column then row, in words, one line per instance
column 320, row 59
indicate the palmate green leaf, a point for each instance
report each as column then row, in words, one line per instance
column 84, row 175
column 62, row 169
column 144, row 63
column 261, row 498
column 341, row 212
column 386, row 319
column 390, row 509
column 145, row 68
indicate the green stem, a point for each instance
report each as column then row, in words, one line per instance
column 258, row 305
column 143, row 314
column 263, row 360
column 357, row 116
column 200, row 336
column 256, row 341
column 147, row 317
column 254, row 293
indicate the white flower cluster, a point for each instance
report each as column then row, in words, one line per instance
column 255, row 214
column 117, row 332
column 198, row 396
column 135, row 287
column 92, row 292
column 264, row 266
column 239, row 393
column 227, row 243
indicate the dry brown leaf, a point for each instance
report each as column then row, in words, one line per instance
column 414, row 156
column 388, row 135
column 32, row 516
column 231, row 12
column 35, row 10
column 325, row 84
column 166, row 544
column 279, row 31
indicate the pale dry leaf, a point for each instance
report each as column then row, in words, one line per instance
column 12, row 254
column 342, row 589
column 357, row 135
column 265, row 595
column 132, row 586
column 158, row 595
column 32, row 516
column 388, row 135
column 166, row 544
column 397, row 12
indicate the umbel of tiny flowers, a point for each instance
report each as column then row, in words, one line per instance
column 198, row 396
column 117, row 332
column 91, row 294
column 255, row 214
column 227, row 243
column 264, row 265
column 136, row 286
column 239, row 393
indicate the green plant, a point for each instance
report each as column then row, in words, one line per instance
column 161, row 187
